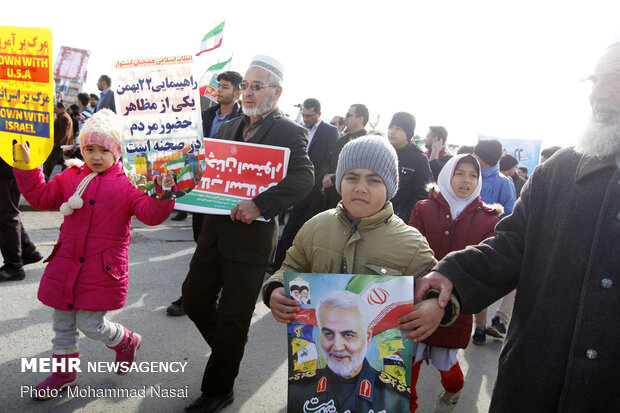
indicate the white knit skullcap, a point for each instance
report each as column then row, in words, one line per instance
column 270, row 64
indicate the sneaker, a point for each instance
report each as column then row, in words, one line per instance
column 497, row 329
column 180, row 216
column 480, row 336
column 447, row 402
column 176, row 308
column 32, row 258
column 11, row 274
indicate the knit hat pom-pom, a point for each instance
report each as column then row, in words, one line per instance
column 66, row 209
column 76, row 202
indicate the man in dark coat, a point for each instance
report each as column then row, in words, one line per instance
column 63, row 135
column 436, row 152
column 414, row 172
column 559, row 249
column 106, row 100
column 356, row 118
column 233, row 251
column 213, row 118
column 508, row 167
column 322, row 138
column 15, row 245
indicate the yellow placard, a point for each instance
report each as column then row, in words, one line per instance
column 26, row 94
column 140, row 164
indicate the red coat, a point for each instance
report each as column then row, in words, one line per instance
column 88, row 267
column 433, row 219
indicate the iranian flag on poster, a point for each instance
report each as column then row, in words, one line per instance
column 386, row 298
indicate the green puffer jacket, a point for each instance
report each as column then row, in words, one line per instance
column 379, row 244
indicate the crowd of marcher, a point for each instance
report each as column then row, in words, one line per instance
column 543, row 244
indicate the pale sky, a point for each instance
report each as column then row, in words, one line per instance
column 505, row 69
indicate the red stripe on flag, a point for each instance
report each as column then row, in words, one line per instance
column 388, row 317
column 212, row 48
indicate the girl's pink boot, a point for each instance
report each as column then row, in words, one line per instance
column 126, row 351
column 60, row 379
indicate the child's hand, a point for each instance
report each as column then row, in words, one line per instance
column 166, row 181
column 283, row 309
column 25, row 152
column 424, row 320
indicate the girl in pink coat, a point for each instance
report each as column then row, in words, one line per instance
column 86, row 273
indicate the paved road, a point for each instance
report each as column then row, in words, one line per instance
column 159, row 258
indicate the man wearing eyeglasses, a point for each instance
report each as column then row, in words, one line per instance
column 559, row 249
column 233, row 251
column 356, row 118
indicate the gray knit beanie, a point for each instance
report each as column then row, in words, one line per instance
column 370, row 152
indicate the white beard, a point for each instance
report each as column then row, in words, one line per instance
column 599, row 138
column 345, row 369
column 263, row 108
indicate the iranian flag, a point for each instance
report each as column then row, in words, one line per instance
column 212, row 40
column 208, row 81
column 183, row 172
column 387, row 298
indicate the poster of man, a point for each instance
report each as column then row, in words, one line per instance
column 300, row 291
column 346, row 353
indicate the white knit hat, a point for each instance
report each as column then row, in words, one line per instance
column 273, row 66
column 104, row 129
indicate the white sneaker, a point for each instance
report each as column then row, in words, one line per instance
column 447, row 402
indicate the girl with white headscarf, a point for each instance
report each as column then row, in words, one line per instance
column 452, row 218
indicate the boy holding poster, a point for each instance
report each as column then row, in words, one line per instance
column 361, row 236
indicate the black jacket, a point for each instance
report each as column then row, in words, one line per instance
column 6, row 170
column 414, row 173
column 332, row 197
column 209, row 114
column 559, row 249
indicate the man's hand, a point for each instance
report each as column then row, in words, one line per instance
column 245, row 211
column 327, row 181
column 423, row 320
column 434, row 280
column 436, row 148
column 283, row 309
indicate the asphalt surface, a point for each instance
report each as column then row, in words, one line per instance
column 159, row 258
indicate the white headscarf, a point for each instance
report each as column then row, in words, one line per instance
column 457, row 204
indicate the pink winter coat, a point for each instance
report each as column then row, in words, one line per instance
column 88, row 266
